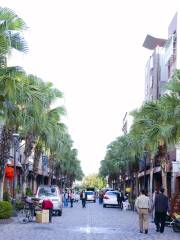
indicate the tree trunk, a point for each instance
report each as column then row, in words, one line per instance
column 28, row 146
column 136, row 185
column 34, row 189
column 1, row 188
column 163, row 160
column 51, row 169
column 5, row 143
column 29, row 140
column 151, row 178
column 24, row 185
column 164, row 181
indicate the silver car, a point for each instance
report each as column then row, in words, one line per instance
column 90, row 195
column 53, row 193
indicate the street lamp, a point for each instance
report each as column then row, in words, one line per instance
column 15, row 143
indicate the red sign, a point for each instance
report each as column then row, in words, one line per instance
column 9, row 172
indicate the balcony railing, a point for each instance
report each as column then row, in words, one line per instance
column 170, row 49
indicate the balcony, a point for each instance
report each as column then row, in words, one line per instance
column 170, row 50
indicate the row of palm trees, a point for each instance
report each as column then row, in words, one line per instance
column 155, row 131
column 26, row 107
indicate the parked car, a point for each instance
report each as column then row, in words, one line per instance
column 53, row 193
column 107, row 189
column 91, row 196
column 110, row 198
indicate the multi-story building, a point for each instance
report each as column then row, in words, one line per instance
column 159, row 69
column 127, row 122
column 153, row 69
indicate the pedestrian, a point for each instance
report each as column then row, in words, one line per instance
column 153, row 203
column 161, row 206
column 72, row 197
column 120, row 199
column 66, row 198
column 100, row 197
column 143, row 207
column 29, row 201
column 76, row 197
column 48, row 205
column 83, row 197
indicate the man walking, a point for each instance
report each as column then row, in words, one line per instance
column 83, row 198
column 120, row 199
column 161, row 208
column 142, row 205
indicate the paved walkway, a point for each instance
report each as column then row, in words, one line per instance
column 92, row 223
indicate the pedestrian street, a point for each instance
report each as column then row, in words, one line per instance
column 91, row 223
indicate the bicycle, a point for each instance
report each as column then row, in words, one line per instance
column 27, row 214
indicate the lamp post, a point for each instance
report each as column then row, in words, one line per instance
column 15, row 142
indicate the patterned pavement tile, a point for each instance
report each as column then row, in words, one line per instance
column 92, row 223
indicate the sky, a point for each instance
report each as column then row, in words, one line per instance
column 92, row 51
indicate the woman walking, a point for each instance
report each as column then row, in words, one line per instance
column 66, row 197
column 71, row 196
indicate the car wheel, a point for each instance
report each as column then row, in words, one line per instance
column 104, row 205
column 59, row 212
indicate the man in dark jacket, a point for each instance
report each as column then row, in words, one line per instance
column 83, row 197
column 120, row 199
column 161, row 208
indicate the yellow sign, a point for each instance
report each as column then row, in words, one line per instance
column 128, row 189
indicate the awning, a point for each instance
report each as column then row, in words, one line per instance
column 155, row 170
column 11, row 164
column 151, row 42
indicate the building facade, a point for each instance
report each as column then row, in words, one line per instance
column 160, row 67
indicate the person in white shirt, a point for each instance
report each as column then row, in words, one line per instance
column 143, row 207
column 76, row 196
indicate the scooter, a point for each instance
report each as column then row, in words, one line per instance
column 176, row 222
column 173, row 221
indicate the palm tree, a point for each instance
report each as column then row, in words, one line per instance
column 158, row 132
column 34, row 119
column 11, row 27
column 47, row 130
column 67, row 166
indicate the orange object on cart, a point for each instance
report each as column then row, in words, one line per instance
column 9, row 172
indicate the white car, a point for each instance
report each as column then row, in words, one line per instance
column 110, row 198
column 90, row 196
column 53, row 193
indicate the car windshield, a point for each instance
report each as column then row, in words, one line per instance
column 47, row 192
column 111, row 193
column 89, row 193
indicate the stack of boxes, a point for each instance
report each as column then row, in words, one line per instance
column 42, row 216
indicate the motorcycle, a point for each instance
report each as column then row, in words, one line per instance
column 176, row 222
column 173, row 221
